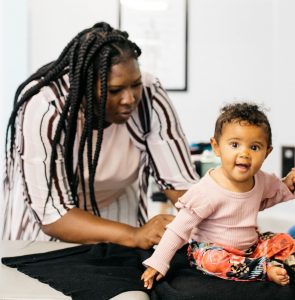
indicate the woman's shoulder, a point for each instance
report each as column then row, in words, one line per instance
column 50, row 96
column 148, row 79
column 151, row 82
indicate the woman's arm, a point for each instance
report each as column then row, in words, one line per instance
column 79, row 226
column 173, row 195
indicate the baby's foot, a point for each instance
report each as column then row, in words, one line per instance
column 278, row 275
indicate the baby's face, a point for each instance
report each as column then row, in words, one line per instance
column 242, row 149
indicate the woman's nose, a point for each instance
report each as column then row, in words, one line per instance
column 128, row 97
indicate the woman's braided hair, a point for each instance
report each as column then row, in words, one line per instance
column 87, row 58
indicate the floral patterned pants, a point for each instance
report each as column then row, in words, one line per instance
column 250, row 265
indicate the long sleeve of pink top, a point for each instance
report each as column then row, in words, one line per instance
column 209, row 213
column 172, row 241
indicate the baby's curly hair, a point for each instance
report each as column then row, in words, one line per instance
column 250, row 113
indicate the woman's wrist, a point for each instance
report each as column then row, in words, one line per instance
column 124, row 235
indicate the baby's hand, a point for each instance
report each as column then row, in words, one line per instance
column 289, row 180
column 149, row 275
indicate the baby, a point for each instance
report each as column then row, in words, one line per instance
column 218, row 215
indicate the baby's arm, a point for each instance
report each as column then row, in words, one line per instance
column 289, row 180
column 176, row 235
column 277, row 190
column 149, row 275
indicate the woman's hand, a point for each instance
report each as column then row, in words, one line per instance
column 149, row 275
column 289, row 180
column 150, row 233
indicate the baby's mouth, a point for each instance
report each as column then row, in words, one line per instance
column 243, row 167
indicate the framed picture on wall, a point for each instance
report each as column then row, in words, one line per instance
column 159, row 28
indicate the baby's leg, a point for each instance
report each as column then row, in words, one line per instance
column 226, row 262
column 278, row 246
column 290, row 261
column 278, row 275
column 281, row 247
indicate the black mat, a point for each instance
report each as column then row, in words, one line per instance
column 103, row 271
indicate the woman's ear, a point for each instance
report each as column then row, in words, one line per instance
column 215, row 146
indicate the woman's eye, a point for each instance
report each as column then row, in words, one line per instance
column 115, row 91
column 138, row 84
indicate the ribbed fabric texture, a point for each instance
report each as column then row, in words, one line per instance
column 172, row 240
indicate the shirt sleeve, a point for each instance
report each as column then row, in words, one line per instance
column 167, row 144
column 196, row 199
column 176, row 235
column 39, row 124
column 275, row 191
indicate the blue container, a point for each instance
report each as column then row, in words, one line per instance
column 291, row 231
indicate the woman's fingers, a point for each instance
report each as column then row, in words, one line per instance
column 150, row 234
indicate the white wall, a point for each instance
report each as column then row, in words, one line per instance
column 13, row 62
column 14, row 57
column 54, row 23
column 1, row 97
column 238, row 50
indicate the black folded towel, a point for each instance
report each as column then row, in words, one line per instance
column 102, row 271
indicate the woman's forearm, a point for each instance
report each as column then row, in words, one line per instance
column 173, row 195
column 78, row 226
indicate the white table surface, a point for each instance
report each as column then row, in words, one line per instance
column 16, row 285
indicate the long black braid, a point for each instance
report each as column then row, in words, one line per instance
column 86, row 59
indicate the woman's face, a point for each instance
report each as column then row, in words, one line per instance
column 124, row 91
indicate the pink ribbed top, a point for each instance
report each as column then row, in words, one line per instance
column 210, row 213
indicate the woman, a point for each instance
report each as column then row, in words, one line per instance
column 85, row 133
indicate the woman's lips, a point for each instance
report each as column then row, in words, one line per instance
column 128, row 112
column 125, row 114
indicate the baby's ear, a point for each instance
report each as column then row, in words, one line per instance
column 268, row 151
column 215, row 146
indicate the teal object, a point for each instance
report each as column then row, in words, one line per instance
column 291, row 231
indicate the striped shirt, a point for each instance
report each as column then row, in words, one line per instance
column 154, row 129
column 211, row 214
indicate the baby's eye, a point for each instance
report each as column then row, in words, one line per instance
column 234, row 145
column 255, row 148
